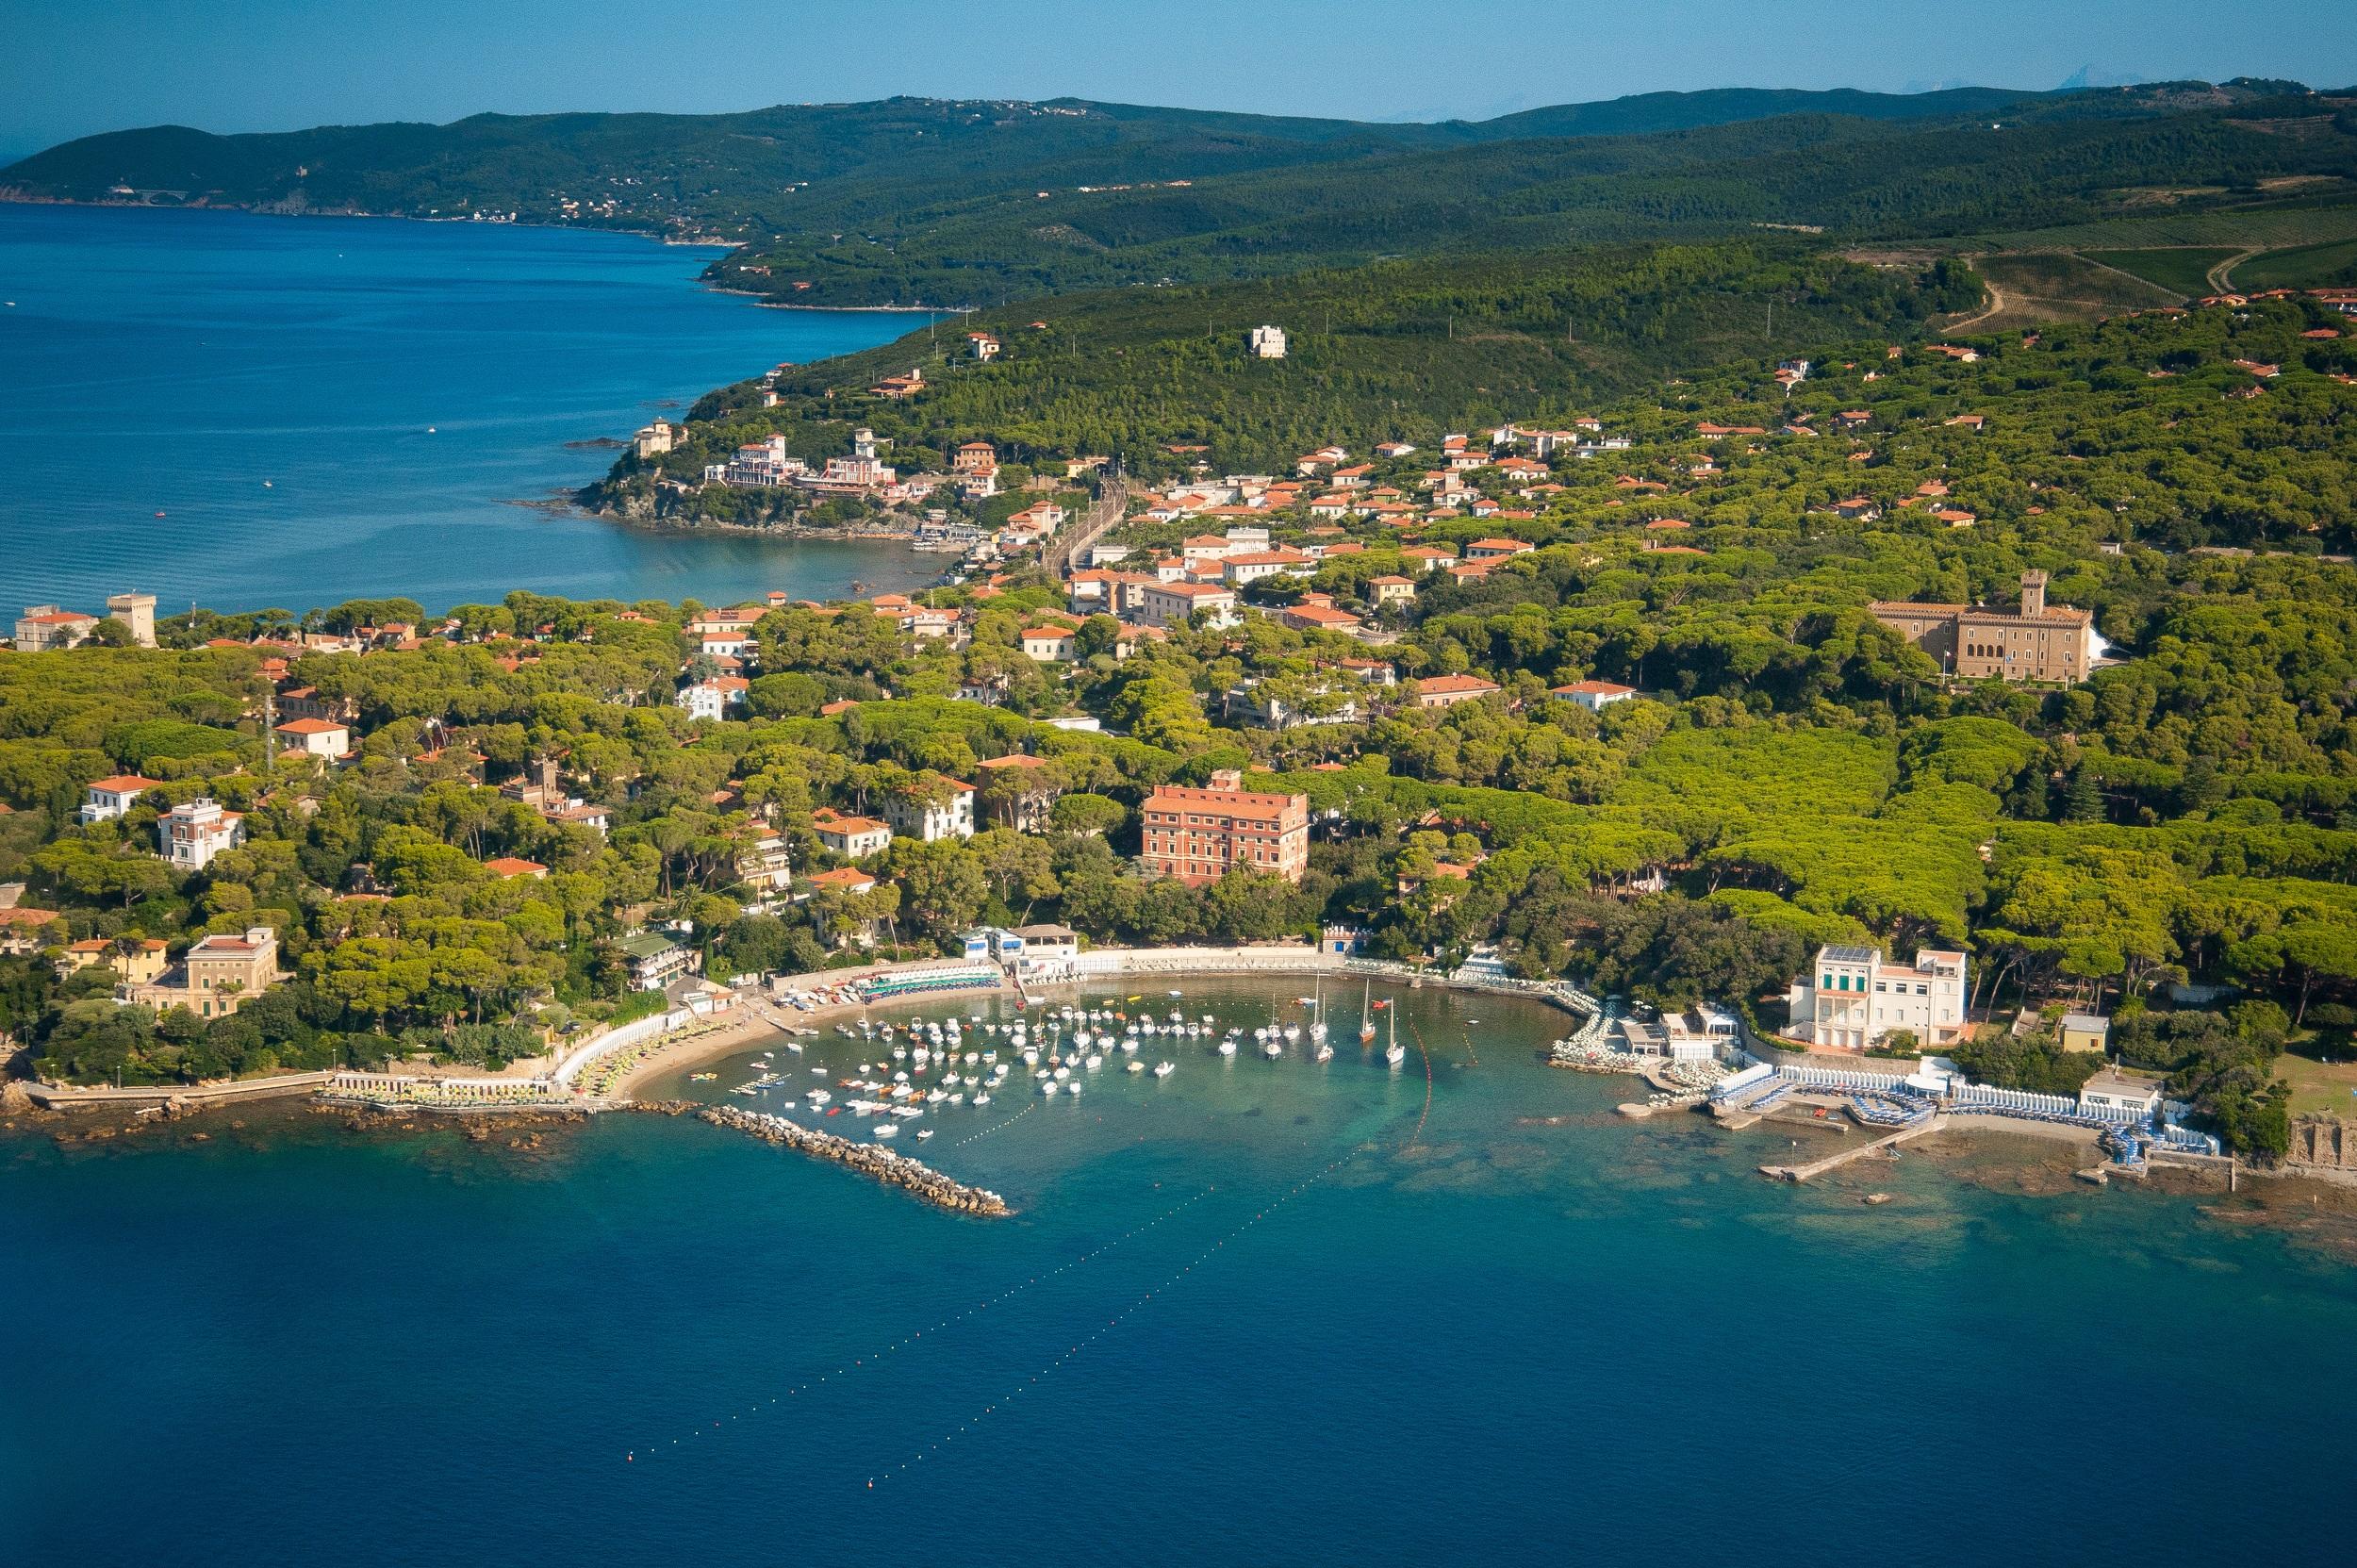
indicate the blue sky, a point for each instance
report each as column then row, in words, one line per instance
column 70, row 69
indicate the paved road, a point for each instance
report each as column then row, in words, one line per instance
column 1101, row 514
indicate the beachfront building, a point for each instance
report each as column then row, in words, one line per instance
column 941, row 808
column 852, row 837
column 2036, row 642
column 217, row 976
column 2120, row 1094
column 1853, row 998
column 653, row 440
column 655, row 960
column 190, row 834
column 103, row 800
column 1199, row 835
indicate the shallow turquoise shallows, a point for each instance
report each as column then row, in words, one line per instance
column 1245, row 1314
column 323, row 408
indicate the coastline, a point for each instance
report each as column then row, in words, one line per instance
column 18, row 196
column 2041, row 1160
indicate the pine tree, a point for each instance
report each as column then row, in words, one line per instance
column 2083, row 800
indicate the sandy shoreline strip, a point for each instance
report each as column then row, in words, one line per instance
column 756, row 1021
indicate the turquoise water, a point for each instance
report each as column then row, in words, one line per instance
column 1541, row 1334
column 162, row 362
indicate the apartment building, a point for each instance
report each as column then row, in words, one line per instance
column 1199, row 835
column 923, row 817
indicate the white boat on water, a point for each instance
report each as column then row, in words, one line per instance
column 1324, row 1052
column 1047, row 1087
column 923, row 1134
column 818, row 1096
column 1164, row 1069
column 1227, row 1046
column 884, row 1129
column 1136, row 1068
column 1273, row 1049
column 1396, row 1053
column 981, row 1099
column 1073, row 1089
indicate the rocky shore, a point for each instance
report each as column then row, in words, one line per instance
column 881, row 1163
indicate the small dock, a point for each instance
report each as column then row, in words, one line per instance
column 1819, row 1167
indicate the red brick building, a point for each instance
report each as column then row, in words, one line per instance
column 1197, row 834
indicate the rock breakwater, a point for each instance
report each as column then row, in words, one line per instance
column 894, row 1170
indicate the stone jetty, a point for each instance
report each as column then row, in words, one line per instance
column 896, row 1169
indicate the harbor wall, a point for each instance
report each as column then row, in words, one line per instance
column 54, row 1098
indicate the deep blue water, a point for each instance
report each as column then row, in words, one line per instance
column 1587, row 1340
column 173, row 361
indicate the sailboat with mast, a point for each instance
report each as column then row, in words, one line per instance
column 1394, row 1053
column 1366, row 1014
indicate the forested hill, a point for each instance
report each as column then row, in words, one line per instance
column 1847, row 177
column 716, row 169
column 1391, row 349
column 971, row 202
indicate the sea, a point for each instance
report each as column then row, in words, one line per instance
column 1256, row 1312
column 249, row 412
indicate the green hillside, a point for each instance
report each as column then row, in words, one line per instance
column 1381, row 350
column 975, row 203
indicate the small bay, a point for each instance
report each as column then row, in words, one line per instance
column 1254, row 1311
column 249, row 411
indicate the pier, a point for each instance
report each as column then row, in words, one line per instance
column 893, row 1169
column 1819, row 1167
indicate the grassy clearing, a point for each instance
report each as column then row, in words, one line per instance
column 2318, row 1085
column 2182, row 270
column 2058, row 287
column 2305, row 267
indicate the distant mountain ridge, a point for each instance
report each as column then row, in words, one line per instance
column 965, row 201
column 490, row 159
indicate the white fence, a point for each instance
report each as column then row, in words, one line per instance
column 568, row 1072
column 2023, row 1102
column 1736, row 1082
column 1845, row 1079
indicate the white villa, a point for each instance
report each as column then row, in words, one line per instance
column 1853, row 997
